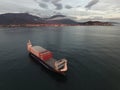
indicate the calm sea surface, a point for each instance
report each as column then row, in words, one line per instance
column 93, row 54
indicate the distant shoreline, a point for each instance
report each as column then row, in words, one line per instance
column 55, row 25
column 28, row 20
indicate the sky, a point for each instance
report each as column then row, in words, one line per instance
column 80, row 10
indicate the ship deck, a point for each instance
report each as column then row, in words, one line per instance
column 51, row 62
column 39, row 49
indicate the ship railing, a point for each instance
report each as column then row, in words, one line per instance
column 61, row 64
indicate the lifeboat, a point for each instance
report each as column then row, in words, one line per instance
column 45, row 57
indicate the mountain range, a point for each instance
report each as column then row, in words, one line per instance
column 19, row 19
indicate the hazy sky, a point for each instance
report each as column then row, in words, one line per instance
column 76, row 9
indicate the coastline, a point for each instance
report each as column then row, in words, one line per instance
column 55, row 25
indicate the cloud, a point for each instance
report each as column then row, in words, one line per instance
column 68, row 7
column 91, row 3
column 57, row 13
column 35, row 0
column 78, row 6
column 56, row 1
column 58, row 5
column 45, row 0
column 43, row 5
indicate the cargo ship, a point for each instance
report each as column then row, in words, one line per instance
column 45, row 57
